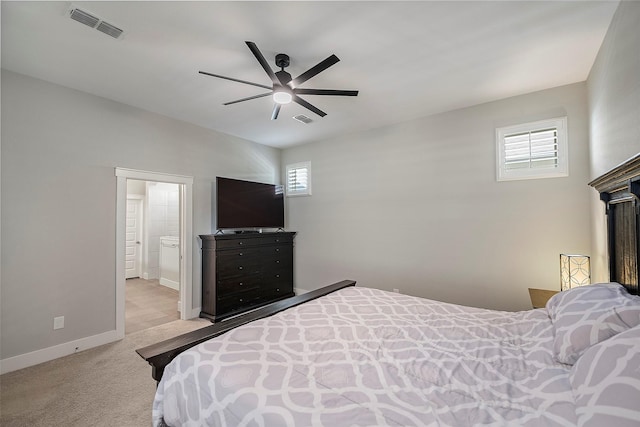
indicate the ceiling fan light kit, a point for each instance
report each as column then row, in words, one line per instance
column 282, row 96
column 284, row 88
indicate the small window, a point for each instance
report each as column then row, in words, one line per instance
column 299, row 179
column 532, row 150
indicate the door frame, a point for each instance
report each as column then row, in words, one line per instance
column 186, row 239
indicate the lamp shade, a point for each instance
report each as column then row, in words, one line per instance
column 575, row 271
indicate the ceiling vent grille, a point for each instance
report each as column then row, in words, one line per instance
column 109, row 29
column 84, row 17
column 94, row 22
column 302, row 119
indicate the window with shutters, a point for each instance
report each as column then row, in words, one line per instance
column 532, row 150
column 299, row 179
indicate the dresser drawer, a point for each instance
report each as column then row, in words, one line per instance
column 227, row 287
column 232, row 266
column 239, row 282
column 278, row 291
column 254, row 259
column 273, row 278
column 275, row 258
column 239, row 300
column 234, row 244
column 255, row 251
column 253, row 240
column 243, row 281
column 277, row 251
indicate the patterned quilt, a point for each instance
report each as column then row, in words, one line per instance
column 365, row 357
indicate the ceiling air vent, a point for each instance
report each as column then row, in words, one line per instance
column 94, row 22
column 109, row 29
column 302, row 119
column 84, row 17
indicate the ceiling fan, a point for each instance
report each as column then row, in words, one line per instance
column 285, row 89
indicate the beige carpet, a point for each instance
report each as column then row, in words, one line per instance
column 108, row 385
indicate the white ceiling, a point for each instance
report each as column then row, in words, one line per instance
column 407, row 59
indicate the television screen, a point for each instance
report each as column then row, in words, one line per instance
column 247, row 204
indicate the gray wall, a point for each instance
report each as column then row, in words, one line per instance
column 59, row 151
column 614, row 110
column 417, row 207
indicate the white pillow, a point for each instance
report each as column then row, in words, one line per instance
column 606, row 382
column 590, row 314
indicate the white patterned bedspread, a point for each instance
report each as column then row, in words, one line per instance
column 365, row 357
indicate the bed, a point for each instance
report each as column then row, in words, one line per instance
column 348, row 355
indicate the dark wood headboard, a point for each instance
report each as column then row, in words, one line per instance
column 620, row 190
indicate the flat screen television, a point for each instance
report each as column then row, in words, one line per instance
column 248, row 205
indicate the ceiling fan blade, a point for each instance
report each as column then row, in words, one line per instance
column 256, row 52
column 308, row 106
column 336, row 92
column 314, row 70
column 247, row 99
column 276, row 110
column 234, row 80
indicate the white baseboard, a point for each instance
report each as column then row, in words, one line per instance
column 169, row 283
column 300, row 291
column 21, row 361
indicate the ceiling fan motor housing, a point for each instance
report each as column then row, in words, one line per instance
column 282, row 60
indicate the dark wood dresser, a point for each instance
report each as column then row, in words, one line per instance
column 243, row 271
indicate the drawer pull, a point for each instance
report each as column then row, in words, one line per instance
column 277, row 276
column 241, row 243
column 277, row 289
column 277, row 240
column 240, row 254
column 277, row 249
column 241, row 299
column 277, row 261
column 241, row 284
column 240, row 268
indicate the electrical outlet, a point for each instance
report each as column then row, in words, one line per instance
column 396, row 290
column 58, row 322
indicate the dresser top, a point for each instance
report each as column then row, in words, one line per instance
column 231, row 236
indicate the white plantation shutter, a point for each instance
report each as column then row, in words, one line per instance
column 299, row 179
column 537, row 149
column 532, row 150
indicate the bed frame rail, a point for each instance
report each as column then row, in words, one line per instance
column 160, row 354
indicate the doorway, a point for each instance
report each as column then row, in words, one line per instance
column 149, row 268
column 152, row 254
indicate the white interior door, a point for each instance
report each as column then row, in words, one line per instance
column 133, row 238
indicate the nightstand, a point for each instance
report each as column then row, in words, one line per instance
column 539, row 297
